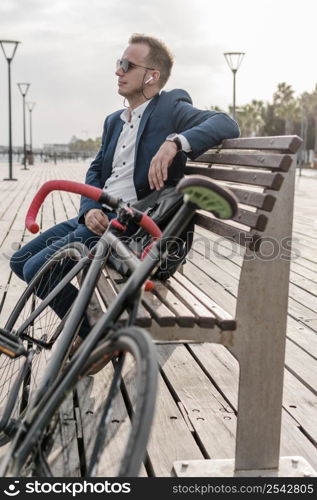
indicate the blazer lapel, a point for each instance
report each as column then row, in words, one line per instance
column 114, row 133
column 144, row 119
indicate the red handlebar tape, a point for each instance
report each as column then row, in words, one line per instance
column 150, row 226
column 92, row 192
column 73, row 187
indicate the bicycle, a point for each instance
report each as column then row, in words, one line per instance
column 32, row 424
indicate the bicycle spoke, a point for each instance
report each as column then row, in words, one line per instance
column 105, row 415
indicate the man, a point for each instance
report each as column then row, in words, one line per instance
column 144, row 147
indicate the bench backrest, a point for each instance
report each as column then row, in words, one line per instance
column 254, row 169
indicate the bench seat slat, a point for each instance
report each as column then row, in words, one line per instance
column 184, row 317
column 206, row 313
column 143, row 316
column 200, row 273
column 283, row 143
column 264, row 201
column 162, row 314
column 98, row 303
column 274, row 162
column 246, row 239
column 262, row 179
column 108, row 294
column 204, row 317
column 223, row 319
column 251, row 219
column 152, row 304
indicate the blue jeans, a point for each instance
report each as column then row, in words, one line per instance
column 29, row 259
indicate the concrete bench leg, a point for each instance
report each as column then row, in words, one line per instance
column 260, row 338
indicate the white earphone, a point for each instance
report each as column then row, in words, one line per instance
column 147, row 81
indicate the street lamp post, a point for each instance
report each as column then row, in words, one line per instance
column 24, row 87
column 30, row 106
column 234, row 60
column 8, row 48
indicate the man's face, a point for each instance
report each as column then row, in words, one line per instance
column 131, row 83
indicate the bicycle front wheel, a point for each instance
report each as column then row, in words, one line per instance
column 38, row 335
column 102, row 426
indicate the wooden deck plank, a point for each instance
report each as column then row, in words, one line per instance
column 303, row 297
column 223, row 369
column 301, row 313
column 308, row 274
column 301, row 403
column 211, row 418
column 302, row 365
column 171, row 439
column 303, row 336
column 91, row 393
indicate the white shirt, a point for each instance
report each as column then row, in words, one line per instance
column 120, row 183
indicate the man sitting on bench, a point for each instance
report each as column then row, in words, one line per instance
column 144, row 147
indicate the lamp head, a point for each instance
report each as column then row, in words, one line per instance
column 8, row 48
column 30, row 105
column 234, row 59
column 23, row 88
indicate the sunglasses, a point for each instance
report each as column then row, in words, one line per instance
column 126, row 65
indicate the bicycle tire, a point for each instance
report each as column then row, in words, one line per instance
column 41, row 459
column 47, row 325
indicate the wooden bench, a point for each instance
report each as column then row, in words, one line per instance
column 196, row 307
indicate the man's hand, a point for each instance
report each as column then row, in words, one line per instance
column 160, row 163
column 96, row 221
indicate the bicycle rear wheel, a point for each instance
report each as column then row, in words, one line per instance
column 104, row 419
column 45, row 327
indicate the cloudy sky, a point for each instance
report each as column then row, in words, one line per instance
column 69, row 47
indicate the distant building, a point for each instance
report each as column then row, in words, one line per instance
column 55, row 148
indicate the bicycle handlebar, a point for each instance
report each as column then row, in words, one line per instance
column 149, row 226
column 92, row 192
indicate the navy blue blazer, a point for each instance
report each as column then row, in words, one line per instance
column 167, row 113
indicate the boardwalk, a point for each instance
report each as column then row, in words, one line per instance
column 196, row 409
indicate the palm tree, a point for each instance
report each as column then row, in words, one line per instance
column 250, row 118
column 286, row 106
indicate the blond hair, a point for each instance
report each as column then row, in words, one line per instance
column 159, row 56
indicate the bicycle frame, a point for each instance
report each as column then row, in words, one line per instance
column 35, row 418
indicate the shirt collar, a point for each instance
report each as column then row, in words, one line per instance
column 136, row 112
